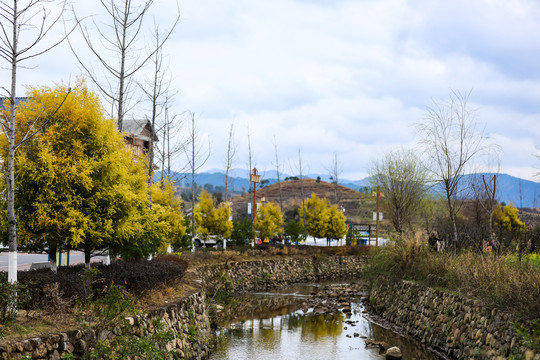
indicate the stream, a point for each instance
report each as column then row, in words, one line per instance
column 311, row 321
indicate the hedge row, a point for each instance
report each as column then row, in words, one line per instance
column 136, row 276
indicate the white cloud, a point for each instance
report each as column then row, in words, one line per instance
column 350, row 77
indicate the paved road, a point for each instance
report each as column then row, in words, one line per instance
column 24, row 260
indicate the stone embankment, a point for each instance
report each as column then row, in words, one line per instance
column 267, row 274
column 188, row 316
column 461, row 328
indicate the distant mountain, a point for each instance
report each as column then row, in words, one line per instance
column 521, row 192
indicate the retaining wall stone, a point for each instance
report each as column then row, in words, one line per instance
column 460, row 327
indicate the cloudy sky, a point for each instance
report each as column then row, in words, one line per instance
column 345, row 77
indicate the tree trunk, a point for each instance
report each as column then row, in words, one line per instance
column 193, row 184
column 87, row 257
column 10, row 177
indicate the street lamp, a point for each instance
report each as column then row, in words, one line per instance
column 254, row 178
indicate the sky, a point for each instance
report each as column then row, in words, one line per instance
column 341, row 78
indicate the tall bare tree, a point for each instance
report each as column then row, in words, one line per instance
column 402, row 179
column 229, row 158
column 119, row 56
column 300, row 170
column 172, row 145
column 250, row 156
column 451, row 139
column 156, row 90
column 197, row 155
column 335, row 171
column 278, row 173
column 485, row 191
column 34, row 17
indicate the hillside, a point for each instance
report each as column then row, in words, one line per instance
column 522, row 193
column 358, row 207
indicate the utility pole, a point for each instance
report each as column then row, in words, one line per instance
column 377, row 218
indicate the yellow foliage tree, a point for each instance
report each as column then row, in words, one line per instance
column 169, row 210
column 316, row 216
column 268, row 220
column 210, row 220
column 507, row 218
column 78, row 186
column 336, row 228
column 322, row 219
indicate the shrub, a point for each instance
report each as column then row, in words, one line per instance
column 12, row 296
column 136, row 276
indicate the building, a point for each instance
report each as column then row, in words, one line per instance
column 139, row 135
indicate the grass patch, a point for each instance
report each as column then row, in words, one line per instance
column 503, row 282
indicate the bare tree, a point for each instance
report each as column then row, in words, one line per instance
column 119, row 56
column 486, row 193
column 520, row 193
column 401, row 178
column 231, row 152
column 278, row 173
column 156, row 90
column 335, row 171
column 14, row 50
column 196, row 155
column 300, row 170
column 172, row 144
column 451, row 140
column 250, row 156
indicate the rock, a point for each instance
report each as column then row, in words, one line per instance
column 393, row 353
column 371, row 344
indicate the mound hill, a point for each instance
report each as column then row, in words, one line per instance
column 358, row 207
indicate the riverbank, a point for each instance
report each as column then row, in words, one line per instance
column 187, row 315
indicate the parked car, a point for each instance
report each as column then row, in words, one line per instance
column 210, row 241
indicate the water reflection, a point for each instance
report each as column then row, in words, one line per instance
column 317, row 327
column 301, row 334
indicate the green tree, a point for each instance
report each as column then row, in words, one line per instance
column 78, row 184
column 268, row 220
column 316, row 216
column 401, row 177
column 242, row 232
column 294, row 231
column 212, row 220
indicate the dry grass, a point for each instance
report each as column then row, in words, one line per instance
column 509, row 285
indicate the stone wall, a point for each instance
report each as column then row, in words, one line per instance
column 187, row 316
column 462, row 328
column 261, row 274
